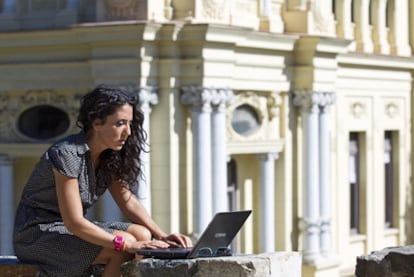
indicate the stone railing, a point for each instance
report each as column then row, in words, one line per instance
column 388, row 262
column 280, row 264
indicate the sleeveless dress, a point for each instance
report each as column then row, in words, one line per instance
column 40, row 236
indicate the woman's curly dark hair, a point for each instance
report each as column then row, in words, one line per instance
column 123, row 165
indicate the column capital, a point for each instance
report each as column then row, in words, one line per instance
column 147, row 95
column 309, row 99
column 206, row 98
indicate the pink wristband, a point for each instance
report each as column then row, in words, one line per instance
column 118, row 243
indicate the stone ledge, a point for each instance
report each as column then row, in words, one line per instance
column 280, row 264
column 11, row 267
column 388, row 262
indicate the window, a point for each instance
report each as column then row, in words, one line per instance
column 232, row 192
column 389, row 179
column 354, row 182
column 43, row 122
column 232, row 184
column 245, row 120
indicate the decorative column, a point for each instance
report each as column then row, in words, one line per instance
column 9, row 6
column 200, row 100
column 399, row 27
column 219, row 159
column 147, row 97
column 267, row 207
column 379, row 28
column 343, row 11
column 308, row 102
column 327, row 99
column 6, row 206
column 362, row 27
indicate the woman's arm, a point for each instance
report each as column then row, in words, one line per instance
column 136, row 212
column 71, row 209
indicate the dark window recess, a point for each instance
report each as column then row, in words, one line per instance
column 43, row 122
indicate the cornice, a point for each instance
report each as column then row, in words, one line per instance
column 328, row 45
column 371, row 60
column 237, row 36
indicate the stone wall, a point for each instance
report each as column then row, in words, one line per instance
column 280, row 264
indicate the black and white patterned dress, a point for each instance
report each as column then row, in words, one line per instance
column 40, row 236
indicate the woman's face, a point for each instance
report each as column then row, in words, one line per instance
column 114, row 132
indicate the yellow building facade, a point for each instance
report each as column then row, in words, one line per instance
column 297, row 109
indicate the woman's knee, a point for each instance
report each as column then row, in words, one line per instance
column 139, row 232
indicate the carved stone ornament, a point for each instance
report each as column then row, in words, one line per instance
column 259, row 104
column 391, row 110
column 358, row 109
column 214, row 9
column 122, row 9
column 274, row 101
column 13, row 105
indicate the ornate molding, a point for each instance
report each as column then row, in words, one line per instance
column 147, row 96
column 205, row 98
column 312, row 101
column 122, row 9
column 267, row 108
column 214, row 9
column 274, row 101
column 309, row 226
column 358, row 109
column 13, row 105
column 391, row 110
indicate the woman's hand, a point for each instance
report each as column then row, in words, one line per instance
column 133, row 246
column 178, row 240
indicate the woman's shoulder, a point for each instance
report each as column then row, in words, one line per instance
column 75, row 144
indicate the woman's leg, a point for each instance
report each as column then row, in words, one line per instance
column 140, row 233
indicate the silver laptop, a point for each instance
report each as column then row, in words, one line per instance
column 214, row 241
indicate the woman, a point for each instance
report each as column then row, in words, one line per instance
column 50, row 226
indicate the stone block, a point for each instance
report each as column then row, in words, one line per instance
column 280, row 264
column 11, row 267
column 388, row 262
